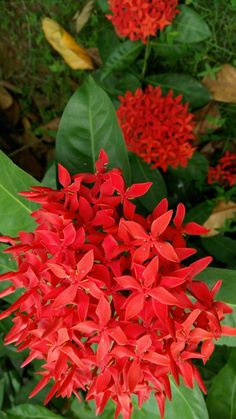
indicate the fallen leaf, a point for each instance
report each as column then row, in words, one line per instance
column 222, row 212
column 81, row 18
column 223, row 89
column 10, row 86
column 207, row 119
column 95, row 56
column 74, row 55
column 6, row 99
column 51, row 125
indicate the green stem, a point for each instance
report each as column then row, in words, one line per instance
column 146, row 55
column 227, row 51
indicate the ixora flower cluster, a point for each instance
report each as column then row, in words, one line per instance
column 109, row 303
column 157, row 128
column 139, row 19
column 224, row 172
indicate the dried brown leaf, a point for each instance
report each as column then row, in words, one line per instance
column 207, row 119
column 222, row 212
column 95, row 56
column 6, row 99
column 223, row 89
column 81, row 18
column 51, row 125
column 74, row 55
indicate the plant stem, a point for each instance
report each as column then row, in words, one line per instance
column 146, row 55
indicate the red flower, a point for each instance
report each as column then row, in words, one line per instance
column 157, row 128
column 224, row 172
column 108, row 305
column 138, row 19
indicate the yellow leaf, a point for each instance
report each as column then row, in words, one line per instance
column 81, row 18
column 222, row 212
column 223, row 89
column 74, row 55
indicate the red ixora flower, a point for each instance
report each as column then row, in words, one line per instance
column 139, row 19
column 109, row 303
column 157, row 128
column 224, row 172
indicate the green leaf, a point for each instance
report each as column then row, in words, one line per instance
column 190, row 26
column 221, row 401
column 195, row 171
column 31, row 411
column 7, row 264
column 233, row 4
column 171, row 51
column 191, row 89
column 104, row 5
column 116, row 85
column 230, row 320
column 2, row 385
column 142, row 172
column 227, row 294
column 186, row 403
column 50, row 177
column 14, row 209
column 88, row 124
column 107, row 43
column 200, row 213
column 221, row 248
column 22, row 396
column 86, row 410
column 122, row 57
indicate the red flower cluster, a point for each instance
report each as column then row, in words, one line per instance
column 225, row 171
column 109, row 305
column 139, row 19
column 157, row 128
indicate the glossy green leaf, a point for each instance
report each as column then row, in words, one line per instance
column 86, row 410
column 22, row 396
column 107, row 43
column 221, row 401
column 191, row 89
column 221, row 248
column 230, row 320
column 7, row 264
column 116, row 85
column 196, row 169
column 31, row 411
column 104, row 5
column 14, row 209
column 2, row 385
column 142, row 172
column 50, row 177
column 122, row 57
column 186, row 403
column 169, row 51
column 227, row 293
column 200, row 213
column 190, row 26
column 88, row 124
